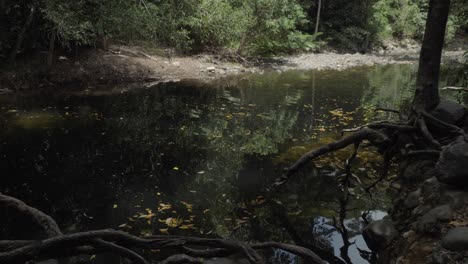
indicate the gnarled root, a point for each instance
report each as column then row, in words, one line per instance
column 60, row 245
column 381, row 135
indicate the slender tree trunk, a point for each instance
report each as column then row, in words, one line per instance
column 318, row 16
column 427, row 92
column 50, row 56
column 20, row 38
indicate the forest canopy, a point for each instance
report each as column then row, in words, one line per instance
column 247, row 27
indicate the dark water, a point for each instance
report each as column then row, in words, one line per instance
column 193, row 159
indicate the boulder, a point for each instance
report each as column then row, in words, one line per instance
column 430, row 220
column 416, row 171
column 412, row 200
column 379, row 234
column 456, row 198
column 456, row 239
column 452, row 166
column 450, row 112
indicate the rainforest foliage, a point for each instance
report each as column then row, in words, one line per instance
column 246, row 27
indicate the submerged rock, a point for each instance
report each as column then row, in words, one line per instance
column 456, row 239
column 379, row 234
column 453, row 164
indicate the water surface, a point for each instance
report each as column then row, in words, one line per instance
column 192, row 158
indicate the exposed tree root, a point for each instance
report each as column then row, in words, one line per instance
column 382, row 135
column 377, row 138
column 123, row 244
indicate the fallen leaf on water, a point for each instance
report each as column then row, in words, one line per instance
column 185, row 227
column 163, row 207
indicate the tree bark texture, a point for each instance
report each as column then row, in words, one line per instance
column 427, row 92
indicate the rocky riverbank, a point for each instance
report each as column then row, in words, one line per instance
column 124, row 64
column 429, row 219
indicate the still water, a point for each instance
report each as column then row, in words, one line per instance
column 194, row 158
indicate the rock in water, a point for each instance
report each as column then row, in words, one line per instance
column 456, row 239
column 450, row 112
column 453, row 164
column 379, row 234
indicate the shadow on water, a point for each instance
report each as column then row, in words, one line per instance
column 192, row 159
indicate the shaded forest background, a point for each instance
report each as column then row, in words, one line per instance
column 246, row 27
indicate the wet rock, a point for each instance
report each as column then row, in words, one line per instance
column 456, row 198
column 379, row 234
column 431, row 219
column 439, row 258
column 431, row 190
column 456, row 239
column 452, row 166
column 450, row 112
column 416, row 171
column 412, row 200
column 420, row 210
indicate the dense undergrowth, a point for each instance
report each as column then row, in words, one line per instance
column 242, row 27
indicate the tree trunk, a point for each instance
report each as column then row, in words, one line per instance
column 427, row 93
column 318, row 17
column 50, row 56
column 19, row 40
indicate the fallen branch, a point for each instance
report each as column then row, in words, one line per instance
column 454, row 88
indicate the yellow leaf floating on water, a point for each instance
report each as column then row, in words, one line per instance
column 164, row 231
column 337, row 112
column 176, row 168
column 115, row 206
column 163, row 207
column 187, row 205
column 147, row 216
column 173, row 222
column 185, row 227
column 125, row 226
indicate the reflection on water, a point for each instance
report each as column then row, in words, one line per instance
column 191, row 158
